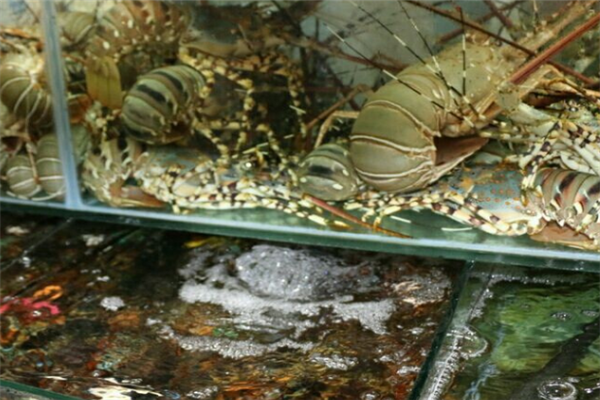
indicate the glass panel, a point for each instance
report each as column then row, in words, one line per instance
column 251, row 224
column 520, row 334
column 30, row 163
column 195, row 121
column 16, row 391
column 104, row 310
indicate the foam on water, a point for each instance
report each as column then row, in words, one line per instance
column 286, row 289
column 419, row 289
column 304, row 274
column 235, row 349
column 334, row 361
column 112, row 303
column 280, row 293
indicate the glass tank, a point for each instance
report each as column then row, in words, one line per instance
column 458, row 129
column 30, row 164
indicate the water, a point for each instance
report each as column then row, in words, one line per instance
column 114, row 312
column 529, row 336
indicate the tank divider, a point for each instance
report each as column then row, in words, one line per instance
column 54, row 70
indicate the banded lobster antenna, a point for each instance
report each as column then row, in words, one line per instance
column 394, row 77
column 464, row 57
column 437, row 71
column 516, row 45
column 440, row 73
column 507, row 7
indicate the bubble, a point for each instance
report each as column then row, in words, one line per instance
column 417, row 330
column 407, row 370
column 562, row 315
column 557, row 389
column 369, row 395
column 205, row 393
column 26, row 261
column 590, row 313
column 112, row 303
column 474, row 345
column 280, row 298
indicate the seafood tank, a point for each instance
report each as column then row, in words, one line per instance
column 167, row 169
column 459, row 129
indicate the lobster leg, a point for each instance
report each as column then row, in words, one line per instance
column 206, row 129
column 326, row 125
column 182, row 192
column 541, row 151
column 208, row 66
column 534, row 158
column 450, row 203
column 278, row 64
column 576, row 155
column 593, row 216
column 480, row 219
column 553, row 233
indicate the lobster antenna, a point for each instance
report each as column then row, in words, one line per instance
column 509, row 42
column 37, row 19
column 394, row 77
column 508, row 7
column 504, row 19
column 439, row 73
column 464, row 54
column 435, row 60
column 288, row 17
column 536, row 12
column 96, row 9
column 398, row 39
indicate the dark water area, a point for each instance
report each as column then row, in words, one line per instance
column 18, row 235
column 108, row 312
